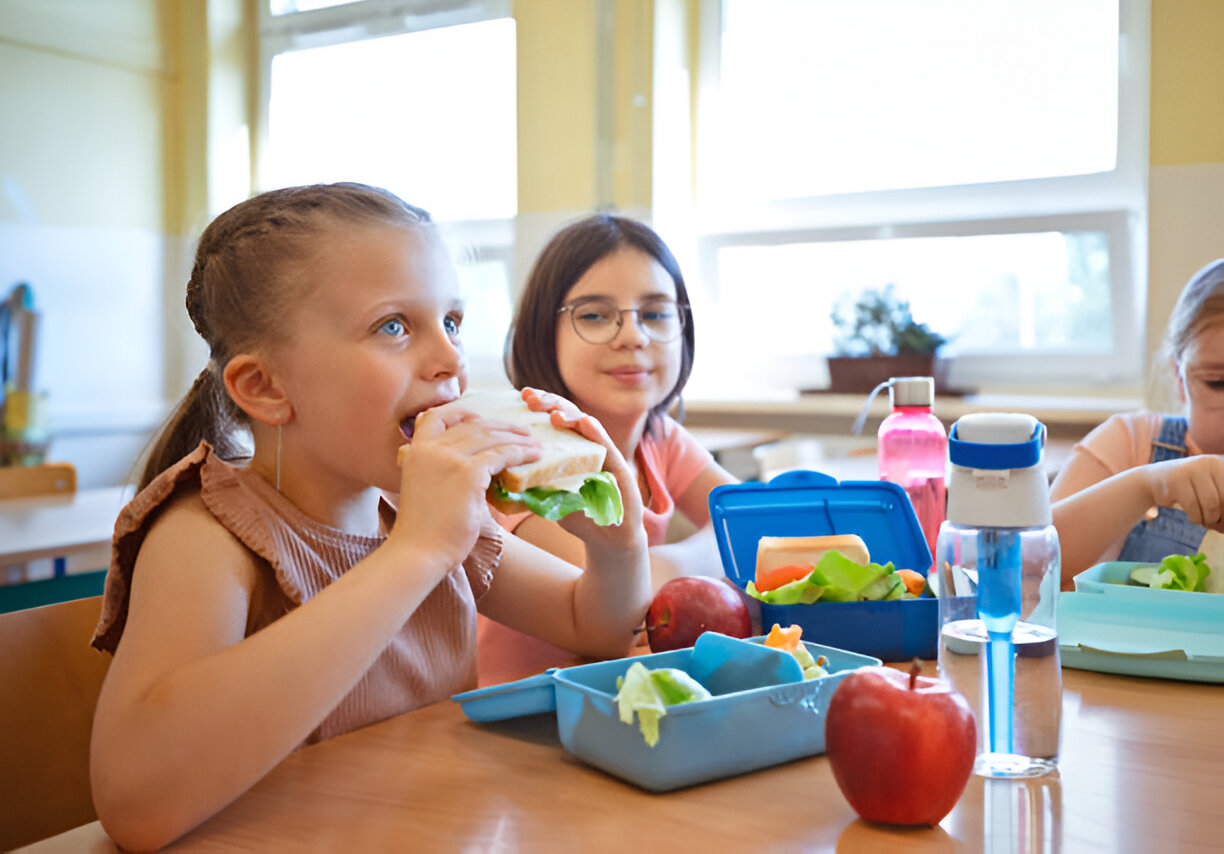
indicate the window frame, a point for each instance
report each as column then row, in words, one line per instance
column 489, row 240
column 1112, row 202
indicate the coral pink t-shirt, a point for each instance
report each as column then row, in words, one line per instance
column 670, row 462
column 1123, row 441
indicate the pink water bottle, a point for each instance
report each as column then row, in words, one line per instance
column 913, row 451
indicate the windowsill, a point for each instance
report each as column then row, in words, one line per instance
column 1064, row 416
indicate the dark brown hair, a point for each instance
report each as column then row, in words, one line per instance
column 531, row 344
column 245, row 278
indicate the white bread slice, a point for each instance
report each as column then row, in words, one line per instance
column 566, row 454
column 775, row 552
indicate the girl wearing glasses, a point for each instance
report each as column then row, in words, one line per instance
column 1145, row 485
column 604, row 321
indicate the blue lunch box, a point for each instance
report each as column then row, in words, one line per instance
column 807, row 503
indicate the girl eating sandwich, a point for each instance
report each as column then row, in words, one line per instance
column 263, row 591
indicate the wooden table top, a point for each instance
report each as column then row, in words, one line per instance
column 59, row 525
column 1141, row 770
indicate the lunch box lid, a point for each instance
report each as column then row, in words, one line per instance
column 806, row 503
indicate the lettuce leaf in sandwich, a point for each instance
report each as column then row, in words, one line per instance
column 567, row 478
column 597, row 496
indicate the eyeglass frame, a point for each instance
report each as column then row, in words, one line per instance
column 681, row 311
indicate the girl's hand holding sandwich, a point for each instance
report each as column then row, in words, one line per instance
column 495, row 446
column 446, row 468
column 565, row 414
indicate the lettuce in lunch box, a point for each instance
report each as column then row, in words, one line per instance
column 650, row 692
column 837, row 578
column 1176, row 572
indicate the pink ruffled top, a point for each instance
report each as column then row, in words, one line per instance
column 430, row 658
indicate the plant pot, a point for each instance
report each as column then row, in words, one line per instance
column 860, row 374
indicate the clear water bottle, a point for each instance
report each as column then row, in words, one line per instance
column 997, row 578
column 913, row 449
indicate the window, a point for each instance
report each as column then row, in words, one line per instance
column 418, row 97
column 986, row 159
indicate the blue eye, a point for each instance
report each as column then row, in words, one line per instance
column 393, row 327
column 452, row 324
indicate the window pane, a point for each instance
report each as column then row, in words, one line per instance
column 821, row 97
column 429, row 115
column 285, row 7
column 486, row 290
column 989, row 294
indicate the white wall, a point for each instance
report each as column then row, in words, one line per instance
column 82, row 198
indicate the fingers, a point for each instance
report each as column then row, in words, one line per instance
column 498, row 458
column 1206, row 498
column 467, row 434
column 544, row 401
column 438, row 419
column 565, row 413
column 435, row 421
column 1196, row 485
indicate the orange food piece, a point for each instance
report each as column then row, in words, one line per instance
column 785, row 639
column 915, row 582
column 773, row 578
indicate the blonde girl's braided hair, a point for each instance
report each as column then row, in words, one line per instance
column 249, row 269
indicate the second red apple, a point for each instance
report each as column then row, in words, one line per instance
column 685, row 607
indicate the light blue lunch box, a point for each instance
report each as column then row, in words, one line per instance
column 762, row 713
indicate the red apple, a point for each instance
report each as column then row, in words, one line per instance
column 901, row 745
column 685, row 607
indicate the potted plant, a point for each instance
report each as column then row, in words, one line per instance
column 877, row 338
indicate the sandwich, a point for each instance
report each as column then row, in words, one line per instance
column 567, row 478
column 774, row 553
column 830, row 568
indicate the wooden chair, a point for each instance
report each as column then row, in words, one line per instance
column 32, row 481
column 48, row 591
column 50, row 680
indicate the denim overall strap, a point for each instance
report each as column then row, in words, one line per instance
column 1171, row 532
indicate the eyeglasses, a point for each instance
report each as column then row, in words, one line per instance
column 597, row 320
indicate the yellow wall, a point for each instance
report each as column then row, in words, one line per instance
column 572, row 156
column 557, row 122
column 1187, row 119
column 1186, row 152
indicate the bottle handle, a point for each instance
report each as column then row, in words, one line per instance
column 857, row 427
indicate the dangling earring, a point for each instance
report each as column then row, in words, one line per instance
column 279, row 430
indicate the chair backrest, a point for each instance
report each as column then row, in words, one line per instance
column 48, row 591
column 43, row 479
column 50, row 679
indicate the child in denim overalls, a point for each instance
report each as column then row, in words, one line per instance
column 1145, row 485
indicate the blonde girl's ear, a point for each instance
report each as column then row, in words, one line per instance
column 254, row 389
column 1180, row 378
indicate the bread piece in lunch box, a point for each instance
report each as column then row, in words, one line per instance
column 567, row 456
column 775, row 552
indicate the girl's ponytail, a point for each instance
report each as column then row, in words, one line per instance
column 205, row 414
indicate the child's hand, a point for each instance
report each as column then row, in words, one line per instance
column 566, row 414
column 1195, row 484
column 445, row 472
